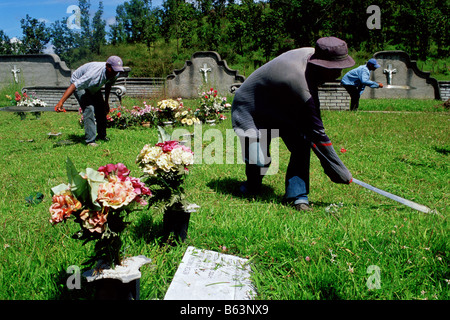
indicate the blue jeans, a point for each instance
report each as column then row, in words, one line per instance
column 257, row 161
column 94, row 111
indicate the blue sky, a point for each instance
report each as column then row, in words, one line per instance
column 12, row 11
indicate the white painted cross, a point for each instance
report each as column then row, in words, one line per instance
column 15, row 71
column 204, row 70
column 390, row 71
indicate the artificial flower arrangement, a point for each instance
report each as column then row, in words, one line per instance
column 211, row 105
column 167, row 108
column 99, row 201
column 186, row 117
column 146, row 114
column 26, row 101
column 121, row 117
column 165, row 166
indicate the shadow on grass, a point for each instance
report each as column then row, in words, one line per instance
column 150, row 231
column 231, row 186
column 445, row 151
column 147, row 229
column 72, row 139
column 63, row 292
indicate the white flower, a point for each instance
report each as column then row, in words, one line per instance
column 187, row 158
column 164, row 162
column 176, row 155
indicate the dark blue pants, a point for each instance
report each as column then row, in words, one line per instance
column 257, row 161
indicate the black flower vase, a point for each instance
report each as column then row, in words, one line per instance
column 176, row 222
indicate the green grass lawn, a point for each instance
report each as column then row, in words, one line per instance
column 325, row 254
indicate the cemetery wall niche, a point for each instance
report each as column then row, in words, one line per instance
column 47, row 77
column 206, row 69
column 34, row 70
column 401, row 78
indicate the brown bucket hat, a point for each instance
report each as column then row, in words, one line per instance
column 331, row 53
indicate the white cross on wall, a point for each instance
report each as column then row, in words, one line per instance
column 204, row 70
column 15, row 72
column 390, row 72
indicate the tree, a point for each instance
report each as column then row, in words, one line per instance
column 136, row 22
column 85, row 39
column 98, row 30
column 117, row 33
column 36, row 36
column 5, row 44
column 62, row 39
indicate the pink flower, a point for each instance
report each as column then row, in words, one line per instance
column 167, row 146
column 307, row 259
column 140, row 189
column 119, row 170
column 116, row 193
column 94, row 221
column 62, row 206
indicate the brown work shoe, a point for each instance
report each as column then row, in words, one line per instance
column 302, row 207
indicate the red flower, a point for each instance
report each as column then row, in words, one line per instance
column 118, row 114
column 17, row 96
column 343, row 150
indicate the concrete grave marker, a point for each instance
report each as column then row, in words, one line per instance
column 205, row 70
column 210, row 275
column 401, row 78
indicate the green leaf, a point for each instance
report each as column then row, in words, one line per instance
column 78, row 185
column 163, row 135
column 60, row 188
column 95, row 179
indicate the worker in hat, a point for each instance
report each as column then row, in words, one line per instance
column 356, row 80
column 281, row 98
column 86, row 84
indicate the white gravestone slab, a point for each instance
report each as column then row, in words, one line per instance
column 210, row 275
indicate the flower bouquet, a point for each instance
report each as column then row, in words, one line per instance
column 165, row 165
column 146, row 115
column 211, row 105
column 186, row 117
column 121, row 118
column 100, row 201
column 166, row 109
column 26, row 101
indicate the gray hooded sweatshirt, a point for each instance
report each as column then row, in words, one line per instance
column 282, row 95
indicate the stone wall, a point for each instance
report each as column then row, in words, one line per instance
column 333, row 96
column 143, row 87
column 52, row 95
